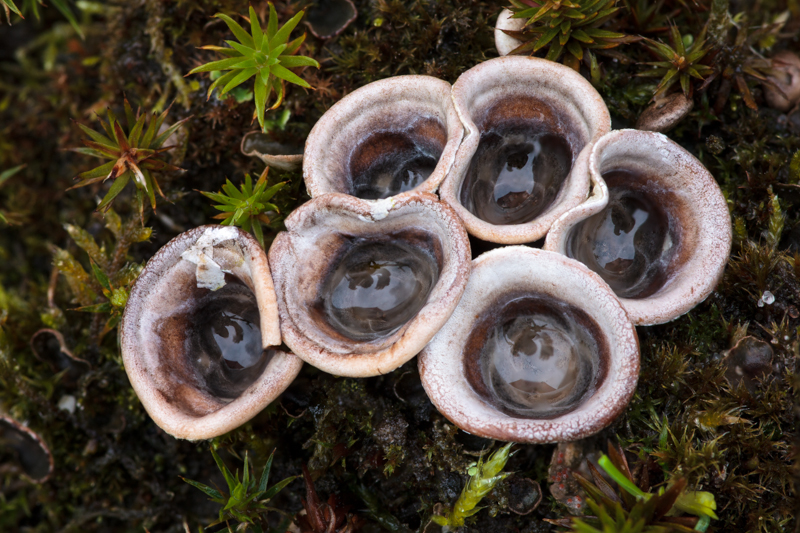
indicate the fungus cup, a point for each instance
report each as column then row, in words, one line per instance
column 328, row 18
column 273, row 154
column 385, row 138
column 503, row 41
column 363, row 285
column 659, row 234
column 783, row 90
column 550, row 355
column 524, row 495
column 27, row 448
column 49, row 346
column 665, row 113
column 197, row 332
column 749, row 360
column 529, row 126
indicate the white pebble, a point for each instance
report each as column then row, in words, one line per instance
column 67, row 403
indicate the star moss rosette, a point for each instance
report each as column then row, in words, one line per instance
column 567, row 28
column 679, row 64
column 247, row 208
column 267, row 56
column 132, row 156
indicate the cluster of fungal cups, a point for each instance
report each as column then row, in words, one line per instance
column 521, row 343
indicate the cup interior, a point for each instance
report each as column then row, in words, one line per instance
column 527, row 147
column 533, row 356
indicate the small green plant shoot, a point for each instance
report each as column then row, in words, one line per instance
column 8, row 7
column 4, row 176
column 246, row 208
column 117, row 297
column 483, row 478
column 698, row 503
column 111, row 275
column 567, row 28
column 33, row 5
column 132, row 156
column 245, row 501
column 679, row 64
column 633, row 510
column 267, row 56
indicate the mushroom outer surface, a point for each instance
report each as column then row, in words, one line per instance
column 304, row 257
column 697, row 212
column 512, row 270
column 154, row 329
column 546, row 96
column 784, row 92
column 502, row 41
column 665, row 113
column 365, row 127
column 273, row 154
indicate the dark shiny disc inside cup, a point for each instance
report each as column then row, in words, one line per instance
column 387, row 163
column 630, row 243
column 532, row 356
column 516, row 173
column 224, row 339
column 376, row 286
